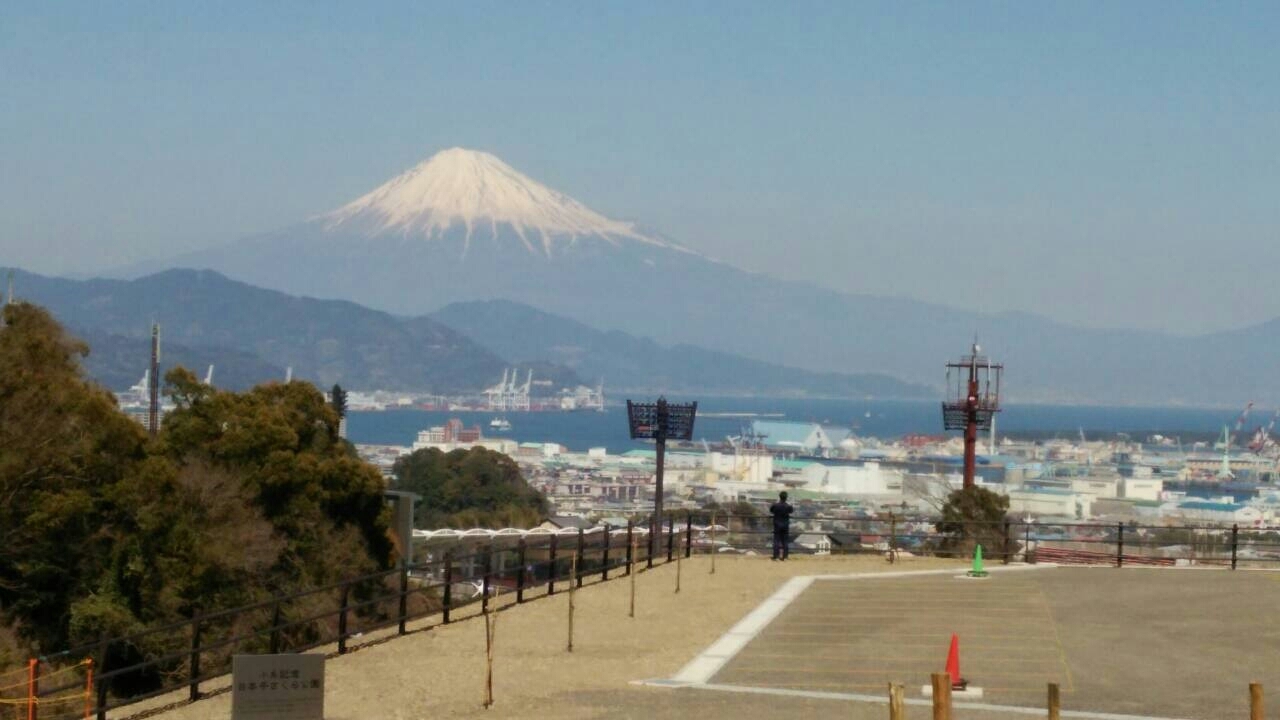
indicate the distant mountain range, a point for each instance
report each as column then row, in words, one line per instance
column 519, row 331
column 251, row 335
column 463, row 226
column 212, row 317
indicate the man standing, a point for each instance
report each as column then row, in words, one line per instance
column 781, row 512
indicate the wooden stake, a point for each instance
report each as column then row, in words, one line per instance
column 678, row 556
column 1256, row 710
column 634, row 546
column 490, row 629
column 713, row 543
column 941, row 696
column 33, row 687
column 897, row 706
column 1055, row 706
column 573, row 575
column 88, row 688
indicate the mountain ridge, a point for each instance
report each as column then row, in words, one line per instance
column 678, row 297
column 330, row 341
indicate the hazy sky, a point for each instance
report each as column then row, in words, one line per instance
column 1109, row 164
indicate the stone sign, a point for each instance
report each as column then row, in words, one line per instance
column 277, row 687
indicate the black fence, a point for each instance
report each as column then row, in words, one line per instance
column 895, row 536
column 468, row 575
column 464, row 582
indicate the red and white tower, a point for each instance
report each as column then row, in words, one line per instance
column 973, row 399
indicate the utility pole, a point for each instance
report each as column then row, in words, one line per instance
column 153, row 384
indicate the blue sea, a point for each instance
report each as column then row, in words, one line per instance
column 882, row 419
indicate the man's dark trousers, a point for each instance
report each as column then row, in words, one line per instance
column 780, row 543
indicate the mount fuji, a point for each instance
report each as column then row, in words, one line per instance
column 463, row 226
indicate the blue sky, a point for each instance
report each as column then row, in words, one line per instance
column 1105, row 164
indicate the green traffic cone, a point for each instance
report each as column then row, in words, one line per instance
column 977, row 570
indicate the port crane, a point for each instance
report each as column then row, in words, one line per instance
column 1262, row 438
column 1244, row 415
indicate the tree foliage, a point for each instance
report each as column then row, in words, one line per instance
column 972, row 516
column 104, row 531
column 469, row 488
column 63, row 446
column 338, row 400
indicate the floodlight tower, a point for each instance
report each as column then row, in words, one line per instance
column 972, row 402
column 658, row 422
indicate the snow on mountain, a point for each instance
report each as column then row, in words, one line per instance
column 481, row 193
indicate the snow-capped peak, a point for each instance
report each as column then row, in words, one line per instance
column 480, row 192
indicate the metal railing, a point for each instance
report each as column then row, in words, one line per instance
column 195, row 650
column 1116, row 544
column 191, row 652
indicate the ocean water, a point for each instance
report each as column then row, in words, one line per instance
column 883, row 419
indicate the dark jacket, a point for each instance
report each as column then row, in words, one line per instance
column 781, row 512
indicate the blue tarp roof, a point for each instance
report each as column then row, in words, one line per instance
column 1207, row 505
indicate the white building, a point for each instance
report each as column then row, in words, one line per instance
column 1099, row 487
column 748, row 466
column 866, row 479
column 1141, row 488
column 1049, row 501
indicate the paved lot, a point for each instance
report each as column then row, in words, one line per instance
column 1173, row 643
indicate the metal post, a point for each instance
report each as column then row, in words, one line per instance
column 342, row 620
column 604, row 555
column 578, row 559
column 1120, row 544
column 658, row 491
column 520, row 579
column 551, row 577
column 688, row 535
column 194, row 680
column 275, row 629
column 714, row 551
column 102, row 682
column 484, row 581
column 893, row 542
column 1026, row 544
column 404, row 597
column 448, row 585
column 671, row 538
column 1235, row 539
column 653, row 534
column 630, row 544
column 1006, row 542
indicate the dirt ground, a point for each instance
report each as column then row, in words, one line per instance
column 440, row 671
column 1144, row 642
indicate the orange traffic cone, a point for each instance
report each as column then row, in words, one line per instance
column 953, row 665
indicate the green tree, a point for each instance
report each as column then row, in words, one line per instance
column 281, row 440
column 973, row 516
column 469, row 488
column 102, row 530
column 338, row 400
column 64, row 445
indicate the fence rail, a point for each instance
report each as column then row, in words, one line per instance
column 114, row 672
